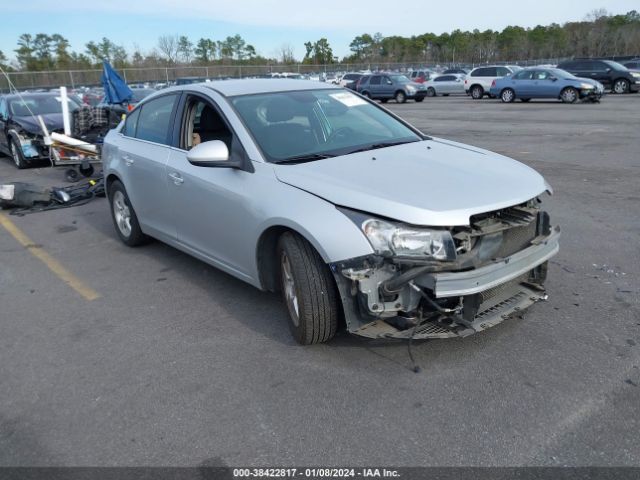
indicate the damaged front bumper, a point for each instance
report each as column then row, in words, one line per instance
column 386, row 299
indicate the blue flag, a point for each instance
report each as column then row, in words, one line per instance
column 115, row 88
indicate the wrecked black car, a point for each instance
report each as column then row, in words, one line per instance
column 20, row 132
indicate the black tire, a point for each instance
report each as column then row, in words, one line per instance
column 431, row 92
column 445, row 94
column 313, row 318
column 419, row 99
column 366, row 94
column 477, row 92
column 400, row 97
column 71, row 175
column 16, row 154
column 525, row 100
column 569, row 95
column 621, row 85
column 131, row 236
column 507, row 95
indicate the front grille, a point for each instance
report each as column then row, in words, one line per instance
column 500, row 290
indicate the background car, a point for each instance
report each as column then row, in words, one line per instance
column 138, row 95
column 614, row 76
column 546, row 83
column 349, row 80
column 632, row 64
column 385, row 86
column 20, row 132
column 478, row 82
column 420, row 76
column 459, row 71
column 445, row 85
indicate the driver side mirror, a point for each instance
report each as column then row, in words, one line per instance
column 553, row 79
column 608, row 70
column 210, row 154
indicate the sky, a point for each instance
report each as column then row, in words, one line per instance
column 269, row 24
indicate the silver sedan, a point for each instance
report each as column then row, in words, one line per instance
column 445, row 85
column 318, row 193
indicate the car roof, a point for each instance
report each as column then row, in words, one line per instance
column 11, row 96
column 250, row 86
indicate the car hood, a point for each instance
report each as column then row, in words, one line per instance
column 53, row 121
column 433, row 182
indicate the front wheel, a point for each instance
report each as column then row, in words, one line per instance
column 16, row 154
column 507, row 95
column 569, row 95
column 419, row 99
column 400, row 97
column 308, row 291
column 620, row 86
column 124, row 217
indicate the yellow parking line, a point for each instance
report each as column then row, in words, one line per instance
column 37, row 251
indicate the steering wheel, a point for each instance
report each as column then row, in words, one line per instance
column 342, row 132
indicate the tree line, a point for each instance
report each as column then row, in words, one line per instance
column 599, row 34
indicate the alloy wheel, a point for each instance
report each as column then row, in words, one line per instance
column 289, row 286
column 122, row 213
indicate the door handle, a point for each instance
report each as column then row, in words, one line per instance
column 127, row 160
column 177, row 179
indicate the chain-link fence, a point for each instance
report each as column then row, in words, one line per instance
column 154, row 75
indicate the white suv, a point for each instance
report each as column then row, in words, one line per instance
column 478, row 81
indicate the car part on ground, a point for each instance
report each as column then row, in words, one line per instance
column 24, row 198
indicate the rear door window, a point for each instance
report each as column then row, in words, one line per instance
column 501, row 72
column 155, row 119
column 375, row 80
column 129, row 128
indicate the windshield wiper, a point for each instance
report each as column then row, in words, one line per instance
column 375, row 146
column 308, row 157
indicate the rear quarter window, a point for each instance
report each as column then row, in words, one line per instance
column 129, row 128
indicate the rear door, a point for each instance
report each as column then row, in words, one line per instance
column 375, row 86
column 143, row 152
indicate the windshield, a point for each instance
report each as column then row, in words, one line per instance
column 288, row 126
column 556, row 72
column 26, row 106
column 400, row 79
column 616, row 65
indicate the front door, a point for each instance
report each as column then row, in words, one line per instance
column 211, row 205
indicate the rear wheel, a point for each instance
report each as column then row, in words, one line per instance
column 507, row 95
column 124, row 216
column 620, row 86
column 308, row 291
column 419, row 99
column 569, row 95
column 16, row 154
column 400, row 97
column 477, row 92
column 525, row 100
column 431, row 92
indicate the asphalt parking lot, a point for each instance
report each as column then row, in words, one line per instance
column 175, row 363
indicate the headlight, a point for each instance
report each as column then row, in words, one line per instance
column 389, row 239
column 411, row 88
column 586, row 86
column 635, row 74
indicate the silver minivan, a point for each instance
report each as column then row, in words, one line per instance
column 319, row 193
